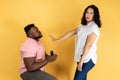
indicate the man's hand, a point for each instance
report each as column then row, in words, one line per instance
column 51, row 58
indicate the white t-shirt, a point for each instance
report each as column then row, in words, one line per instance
column 82, row 33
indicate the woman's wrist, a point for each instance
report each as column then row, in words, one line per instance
column 82, row 56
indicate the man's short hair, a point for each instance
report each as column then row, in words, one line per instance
column 28, row 27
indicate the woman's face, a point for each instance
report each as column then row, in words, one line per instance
column 89, row 15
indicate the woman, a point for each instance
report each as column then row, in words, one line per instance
column 87, row 37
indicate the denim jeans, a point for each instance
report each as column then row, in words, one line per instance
column 37, row 75
column 82, row 75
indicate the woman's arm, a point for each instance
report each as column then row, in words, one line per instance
column 90, row 39
column 65, row 36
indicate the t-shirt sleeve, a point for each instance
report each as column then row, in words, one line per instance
column 94, row 29
column 28, row 51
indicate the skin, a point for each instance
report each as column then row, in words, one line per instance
column 90, row 38
column 30, row 62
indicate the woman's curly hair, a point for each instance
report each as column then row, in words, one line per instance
column 96, row 17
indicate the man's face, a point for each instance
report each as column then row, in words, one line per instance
column 35, row 33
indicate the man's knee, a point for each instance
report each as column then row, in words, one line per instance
column 54, row 78
column 51, row 77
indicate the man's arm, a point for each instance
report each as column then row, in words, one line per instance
column 32, row 65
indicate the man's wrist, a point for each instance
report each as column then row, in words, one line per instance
column 47, row 61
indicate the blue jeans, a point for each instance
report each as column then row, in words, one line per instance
column 82, row 75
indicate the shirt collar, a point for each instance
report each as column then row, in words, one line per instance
column 90, row 23
column 31, row 39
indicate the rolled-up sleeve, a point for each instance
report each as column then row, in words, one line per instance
column 28, row 50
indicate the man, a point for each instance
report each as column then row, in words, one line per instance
column 33, row 56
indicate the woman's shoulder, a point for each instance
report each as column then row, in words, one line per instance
column 80, row 25
column 94, row 28
column 94, row 25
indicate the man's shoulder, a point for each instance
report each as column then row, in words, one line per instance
column 28, row 45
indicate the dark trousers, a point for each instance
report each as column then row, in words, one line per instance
column 37, row 75
column 82, row 75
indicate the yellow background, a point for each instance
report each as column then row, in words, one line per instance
column 55, row 17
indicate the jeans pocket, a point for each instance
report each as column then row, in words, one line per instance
column 92, row 62
column 78, row 70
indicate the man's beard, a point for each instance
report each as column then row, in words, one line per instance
column 37, row 38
